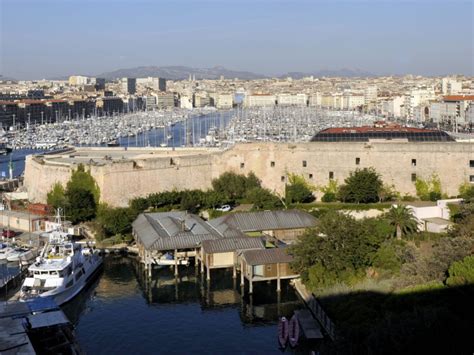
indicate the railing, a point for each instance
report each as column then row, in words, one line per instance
column 316, row 309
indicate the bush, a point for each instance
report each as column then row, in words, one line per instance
column 461, row 272
column 329, row 197
column 362, row 186
column 263, row 199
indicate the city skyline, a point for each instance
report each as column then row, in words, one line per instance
column 46, row 39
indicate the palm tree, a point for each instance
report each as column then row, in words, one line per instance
column 402, row 219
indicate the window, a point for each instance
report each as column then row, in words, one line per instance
column 282, row 179
column 272, row 164
column 304, row 164
column 471, row 178
column 471, row 163
column 357, row 161
column 310, row 176
column 331, row 175
column 413, row 177
column 242, row 165
column 69, row 284
column 413, row 162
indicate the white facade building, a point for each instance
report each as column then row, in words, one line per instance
column 224, row 101
column 292, row 100
column 259, row 100
column 450, row 86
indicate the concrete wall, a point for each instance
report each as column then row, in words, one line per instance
column 122, row 180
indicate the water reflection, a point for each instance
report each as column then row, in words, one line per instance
column 126, row 312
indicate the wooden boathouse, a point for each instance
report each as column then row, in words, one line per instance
column 178, row 232
column 225, row 242
column 223, row 253
column 266, row 265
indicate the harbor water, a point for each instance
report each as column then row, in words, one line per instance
column 123, row 313
column 190, row 132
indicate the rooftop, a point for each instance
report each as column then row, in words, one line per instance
column 267, row 256
column 367, row 133
column 262, row 221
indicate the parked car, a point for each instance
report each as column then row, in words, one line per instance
column 8, row 233
column 224, row 208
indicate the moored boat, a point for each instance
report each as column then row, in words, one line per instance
column 283, row 332
column 18, row 254
column 61, row 271
column 293, row 331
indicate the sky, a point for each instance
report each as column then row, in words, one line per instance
column 56, row 38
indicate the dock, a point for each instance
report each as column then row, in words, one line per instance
column 315, row 308
column 34, row 327
column 309, row 325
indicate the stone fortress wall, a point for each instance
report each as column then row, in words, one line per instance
column 144, row 170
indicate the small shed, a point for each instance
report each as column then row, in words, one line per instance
column 265, row 265
column 222, row 253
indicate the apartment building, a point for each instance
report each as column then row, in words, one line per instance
column 292, row 100
column 260, row 100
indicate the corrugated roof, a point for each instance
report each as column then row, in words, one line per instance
column 267, row 256
column 172, row 230
column 261, row 221
column 223, row 245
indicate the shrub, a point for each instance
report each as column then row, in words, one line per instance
column 362, row 186
column 461, row 272
column 329, row 197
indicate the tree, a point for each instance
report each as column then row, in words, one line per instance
column 429, row 190
column 81, row 204
column 263, row 199
column 329, row 191
column 234, row 186
column 466, row 191
column 362, row 186
column 115, row 220
column 298, row 190
column 230, row 185
column 56, row 197
column 81, row 179
column 388, row 193
column 461, row 272
column 337, row 249
column 402, row 219
column 139, row 204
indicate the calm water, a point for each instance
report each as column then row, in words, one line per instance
column 121, row 313
column 182, row 133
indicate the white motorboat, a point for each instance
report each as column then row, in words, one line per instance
column 61, row 271
column 168, row 259
column 4, row 251
column 22, row 254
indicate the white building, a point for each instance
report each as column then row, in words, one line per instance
column 292, row 100
column 77, row 80
column 164, row 100
column 315, row 100
column 453, row 109
column 393, row 107
column 150, row 102
column 370, row 94
column 450, row 86
column 224, row 101
column 351, row 101
column 259, row 100
column 186, row 102
column 433, row 217
column 417, row 97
